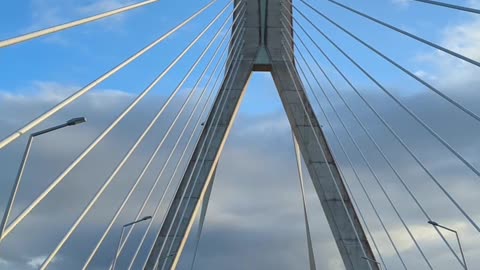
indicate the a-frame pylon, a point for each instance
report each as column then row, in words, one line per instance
column 262, row 47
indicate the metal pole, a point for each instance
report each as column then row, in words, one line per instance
column 311, row 254
column 121, row 237
column 461, row 250
column 16, row 184
column 118, row 247
column 21, row 169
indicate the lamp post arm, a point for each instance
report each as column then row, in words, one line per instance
column 435, row 224
column 446, row 228
column 41, row 132
column 136, row 221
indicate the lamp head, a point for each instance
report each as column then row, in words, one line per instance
column 76, row 121
column 146, row 218
column 431, row 222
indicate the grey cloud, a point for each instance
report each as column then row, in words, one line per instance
column 254, row 219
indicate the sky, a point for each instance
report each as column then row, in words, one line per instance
column 255, row 217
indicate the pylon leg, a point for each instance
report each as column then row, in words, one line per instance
column 335, row 201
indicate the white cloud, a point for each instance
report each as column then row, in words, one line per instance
column 103, row 6
column 257, row 160
column 449, row 71
column 4, row 262
column 48, row 13
column 36, row 262
column 401, row 3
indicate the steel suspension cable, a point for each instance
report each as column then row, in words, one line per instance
column 344, row 151
column 162, row 170
column 201, row 221
column 143, row 239
column 329, row 169
column 139, row 178
column 411, row 113
column 377, row 214
column 397, row 65
column 408, row 34
column 401, row 141
column 133, row 148
column 311, row 254
column 195, row 164
column 171, row 203
column 221, row 107
column 359, row 150
column 368, row 133
column 359, row 211
column 229, row 82
column 457, row 7
column 163, row 220
column 61, row 27
column 99, row 80
column 160, row 174
column 97, row 141
column 177, row 166
column 202, row 216
column 352, row 197
column 171, row 179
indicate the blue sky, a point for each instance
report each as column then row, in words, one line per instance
column 38, row 74
column 79, row 55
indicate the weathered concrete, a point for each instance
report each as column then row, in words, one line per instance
column 263, row 51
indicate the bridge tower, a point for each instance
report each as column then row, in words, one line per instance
column 264, row 49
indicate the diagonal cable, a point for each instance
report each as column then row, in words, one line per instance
column 221, row 107
column 201, row 221
column 401, row 141
column 359, row 181
column 164, row 167
column 457, row 7
column 159, row 145
column 397, row 65
column 425, row 213
column 163, row 220
column 170, row 181
column 156, row 211
column 230, row 81
column 361, row 153
column 132, row 149
column 341, row 173
column 311, row 254
column 410, row 112
column 329, row 169
column 57, row 28
column 408, row 34
column 97, row 81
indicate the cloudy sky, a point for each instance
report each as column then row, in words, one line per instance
column 255, row 216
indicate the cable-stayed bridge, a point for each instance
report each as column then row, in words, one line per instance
column 325, row 103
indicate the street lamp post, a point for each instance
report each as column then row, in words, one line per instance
column 121, row 237
column 71, row 122
column 372, row 260
column 435, row 224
